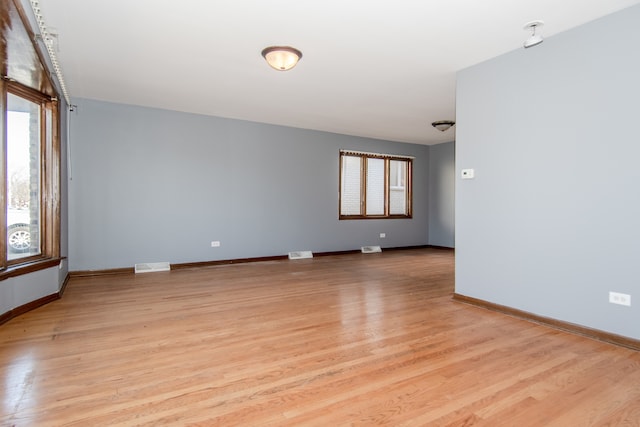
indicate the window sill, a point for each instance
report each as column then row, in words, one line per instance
column 30, row 267
column 349, row 217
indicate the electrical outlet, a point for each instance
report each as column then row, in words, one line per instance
column 383, row 235
column 215, row 244
column 618, row 298
column 467, row 173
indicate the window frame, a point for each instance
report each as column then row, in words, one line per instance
column 387, row 185
column 49, row 182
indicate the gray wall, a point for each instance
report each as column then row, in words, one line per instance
column 21, row 290
column 551, row 223
column 153, row 185
column 441, row 195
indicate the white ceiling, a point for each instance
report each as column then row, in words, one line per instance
column 373, row 68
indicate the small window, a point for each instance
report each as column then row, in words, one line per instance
column 374, row 186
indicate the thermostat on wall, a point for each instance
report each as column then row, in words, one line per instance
column 467, row 174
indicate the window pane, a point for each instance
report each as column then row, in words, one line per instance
column 350, row 186
column 375, row 186
column 23, row 177
column 398, row 187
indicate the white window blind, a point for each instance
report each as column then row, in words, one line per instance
column 375, row 187
column 350, row 185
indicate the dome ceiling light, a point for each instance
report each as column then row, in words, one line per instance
column 443, row 125
column 281, row 58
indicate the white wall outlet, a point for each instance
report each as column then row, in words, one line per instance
column 467, row 173
column 215, row 244
column 618, row 298
column 383, row 235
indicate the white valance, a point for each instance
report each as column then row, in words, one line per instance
column 379, row 155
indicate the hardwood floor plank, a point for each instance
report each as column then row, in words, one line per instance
column 339, row 340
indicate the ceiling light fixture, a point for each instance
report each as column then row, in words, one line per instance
column 443, row 125
column 281, row 58
column 534, row 39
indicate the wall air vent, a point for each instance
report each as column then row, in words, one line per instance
column 300, row 255
column 149, row 267
column 370, row 249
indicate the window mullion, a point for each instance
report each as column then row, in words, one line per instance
column 45, row 190
column 387, row 178
column 409, row 190
column 363, row 186
column 3, row 174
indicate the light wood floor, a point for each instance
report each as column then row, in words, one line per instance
column 341, row 340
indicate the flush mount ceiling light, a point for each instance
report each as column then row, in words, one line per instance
column 281, row 58
column 535, row 39
column 443, row 125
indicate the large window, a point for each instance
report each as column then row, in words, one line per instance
column 30, row 150
column 31, row 176
column 374, row 185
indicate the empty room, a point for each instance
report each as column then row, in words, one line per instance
column 283, row 213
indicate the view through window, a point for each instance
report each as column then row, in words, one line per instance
column 23, row 177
